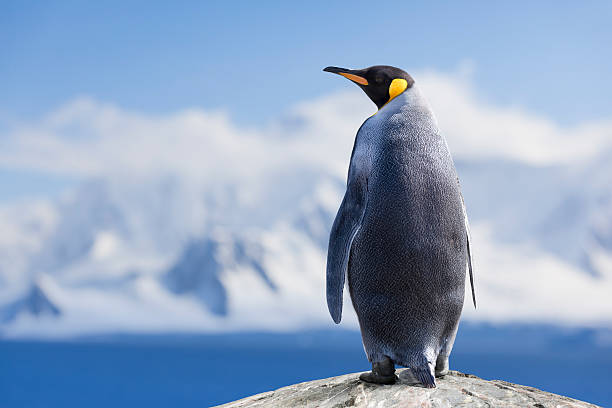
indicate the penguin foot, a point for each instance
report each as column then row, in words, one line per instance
column 383, row 372
column 441, row 373
column 374, row 378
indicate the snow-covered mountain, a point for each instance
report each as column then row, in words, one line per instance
column 104, row 254
column 168, row 258
column 189, row 224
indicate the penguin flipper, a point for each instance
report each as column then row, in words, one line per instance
column 469, row 253
column 468, row 238
column 345, row 227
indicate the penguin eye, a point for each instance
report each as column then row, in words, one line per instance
column 379, row 79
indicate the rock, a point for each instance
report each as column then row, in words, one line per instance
column 454, row 390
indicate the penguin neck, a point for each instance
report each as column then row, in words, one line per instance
column 411, row 113
column 410, row 104
column 411, row 98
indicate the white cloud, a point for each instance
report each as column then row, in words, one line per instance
column 476, row 129
column 89, row 138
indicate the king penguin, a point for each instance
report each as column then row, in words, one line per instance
column 401, row 235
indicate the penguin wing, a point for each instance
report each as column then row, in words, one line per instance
column 345, row 227
column 468, row 238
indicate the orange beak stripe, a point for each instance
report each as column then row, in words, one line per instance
column 355, row 78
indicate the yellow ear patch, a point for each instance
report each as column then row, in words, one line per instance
column 354, row 78
column 398, row 85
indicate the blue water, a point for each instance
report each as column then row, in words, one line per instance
column 189, row 371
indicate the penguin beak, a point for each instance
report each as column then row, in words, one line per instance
column 352, row 74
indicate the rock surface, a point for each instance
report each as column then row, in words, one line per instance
column 454, row 390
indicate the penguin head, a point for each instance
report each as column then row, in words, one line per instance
column 381, row 83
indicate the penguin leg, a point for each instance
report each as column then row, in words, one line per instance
column 442, row 365
column 442, row 360
column 383, row 372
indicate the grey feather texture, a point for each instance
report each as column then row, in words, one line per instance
column 401, row 238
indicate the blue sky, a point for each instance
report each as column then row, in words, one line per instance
column 255, row 59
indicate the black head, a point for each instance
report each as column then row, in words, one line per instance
column 380, row 82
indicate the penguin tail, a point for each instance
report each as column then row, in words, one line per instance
column 424, row 375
